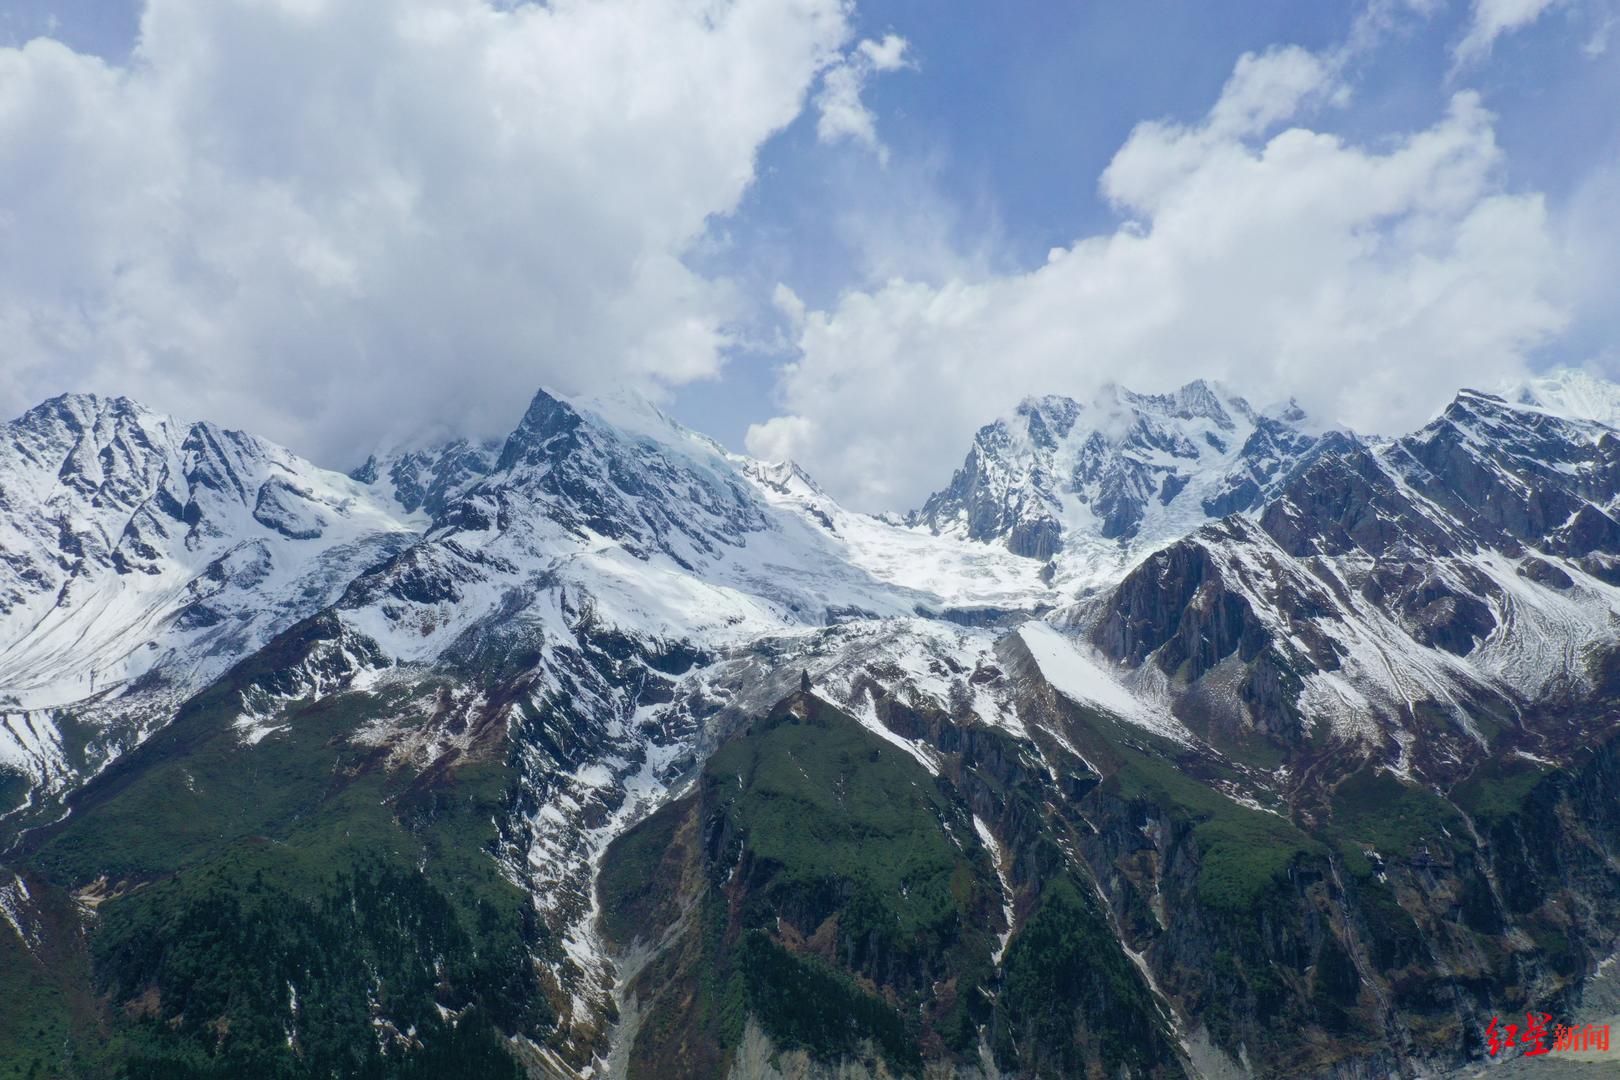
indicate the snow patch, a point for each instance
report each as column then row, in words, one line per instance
column 1084, row 679
column 989, row 840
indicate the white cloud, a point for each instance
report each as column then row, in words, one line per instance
column 886, row 55
column 1370, row 281
column 1266, row 88
column 788, row 303
column 1493, row 18
column 843, row 115
column 334, row 222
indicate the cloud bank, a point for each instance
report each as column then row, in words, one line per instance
column 338, row 223
column 1369, row 281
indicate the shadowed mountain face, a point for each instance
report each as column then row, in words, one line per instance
column 1412, row 594
column 1173, row 739
column 777, row 927
column 426, row 480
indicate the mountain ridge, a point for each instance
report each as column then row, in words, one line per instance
column 1147, row 744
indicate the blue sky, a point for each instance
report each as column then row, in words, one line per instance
column 1012, row 113
column 858, row 302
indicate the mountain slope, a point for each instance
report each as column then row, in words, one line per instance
column 426, row 479
column 569, row 606
column 1569, row 393
column 1415, row 595
column 297, row 911
column 141, row 556
column 774, row 931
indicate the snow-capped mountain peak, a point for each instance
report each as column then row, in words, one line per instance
column 140, row 555
column 594, row 615
column 1466, row 570
column 668, row 536
column 1104, row 480
column 598, row 602
column 1568, row 392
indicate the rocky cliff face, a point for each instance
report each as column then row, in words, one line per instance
column 755, row 899
column 1320, row 913
column 428, row 479
column 1397, row 593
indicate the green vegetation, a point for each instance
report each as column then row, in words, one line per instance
column 1334, row 986
column 840, row 889
column 195, row 789
column 838, row 825
column 1555, row 947
column 35, row 1013
column 805, row 1004
column 33, row 1025
column 295, row 909
column 1390, row 815
column 1065, row 982
column 639, row 872
column 14, row 787
column 224, row 973
column 1498, row 789
column 1242, row 851
column 837, row 821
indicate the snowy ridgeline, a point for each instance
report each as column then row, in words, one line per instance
column 145, row 555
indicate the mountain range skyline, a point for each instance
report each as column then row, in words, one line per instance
column 1145, row 666
column 1579, row 392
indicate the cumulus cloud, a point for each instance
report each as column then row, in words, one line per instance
column 338, row 222
column 1493, row 18
column 843, row 115
column 1368, row 280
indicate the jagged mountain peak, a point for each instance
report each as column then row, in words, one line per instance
column 1100, row 481
column 76, row 406
column 548, row 418
column 429, row 476
column 1485, row 416
column 142, row 553
column 1397, row 591
column 784, row 477
column 120, row 454
column 555, row 425
column 617, row 469
column 663, row 533
column 1205, row 399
